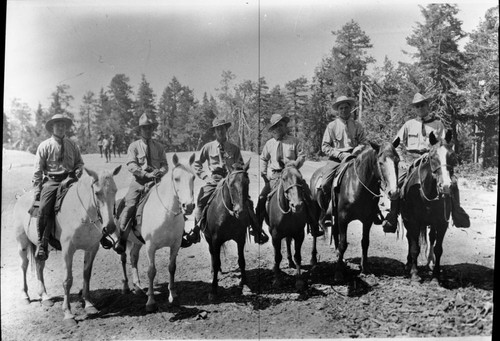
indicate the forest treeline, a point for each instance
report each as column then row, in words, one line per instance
column 463, row 83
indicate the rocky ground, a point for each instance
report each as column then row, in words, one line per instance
column 381, row 304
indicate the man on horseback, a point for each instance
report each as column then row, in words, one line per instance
column 414, row 136
column 220, row 156
column 276, row 152
column 147, row 162
column 56, row 159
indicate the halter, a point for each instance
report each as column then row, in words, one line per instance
column 284, row 194
column 231, row 212
column 361, row 182
column 176, row 193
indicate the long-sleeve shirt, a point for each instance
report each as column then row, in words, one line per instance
column 412, row 137
column 342, row 136
column 137, row 162
column 210, row 153
column 48, row 158
column 292, row 150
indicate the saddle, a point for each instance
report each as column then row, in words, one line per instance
column 410, row 180
column 203, row 219
column 339, row 175
column 136, row 220
column 49, row 231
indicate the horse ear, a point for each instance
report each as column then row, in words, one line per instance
column 432, row 138
column 117, row 170
column 396, row 142
column 448, row 136
column 247, row 165
column 300, row 161
column 91, row 173
column 175, row 159
column 191, row 159
column 375, row 146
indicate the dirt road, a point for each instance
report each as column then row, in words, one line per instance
column 382, row 304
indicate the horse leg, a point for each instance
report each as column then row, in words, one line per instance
column 291, row 263
column 134, row 259
column 125, row 288
column 215, row 252
column 412, row 234
column 23, row 248
column 438, row 252
column 151, row 303
column 300, row 284
column 342, row 247
column 172, row 266
column 241, row 262
column 277, row 260
column 314, row 253
column 87, row 273
column 365, row 243
column 42, row 292
column 431, row 259
column 68, row 253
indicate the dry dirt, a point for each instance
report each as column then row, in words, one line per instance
column 379, row 305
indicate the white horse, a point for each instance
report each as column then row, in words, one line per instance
column 162, row 226
column 86, row 213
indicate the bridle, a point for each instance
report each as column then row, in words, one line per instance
column 285, row 194
column 361, row 182
column 226, row 183
column 176, row 193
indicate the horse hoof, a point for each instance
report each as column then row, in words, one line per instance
column 300, row 285
column 313, row 262
column 277, row 283
column 47, row 303
column 212, row 297
column 435, row 281
column 151, row 308
column 415, row 279
column 291, row 265
column 26, row 301
column 69, row 322
column 91, row 311
column 138, row 290
column 338, row 277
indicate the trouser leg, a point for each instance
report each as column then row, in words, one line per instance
column 458, row 214
column 260, row 236
column 131, row 199
column 312, row 209
column 46, row 212
column 260, row 210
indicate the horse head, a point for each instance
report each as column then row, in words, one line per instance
column 387, row 166
column 292, row 180
column 237, row 184
column 442, row 159
column 183, row 184
column 104, row 190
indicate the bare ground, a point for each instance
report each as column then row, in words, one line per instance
column 381, row 304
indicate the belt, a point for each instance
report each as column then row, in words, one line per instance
column 417, row 151
column 58, row 177
column 276, row 170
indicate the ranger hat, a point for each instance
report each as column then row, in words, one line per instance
column 217, row 122
column 58, row 118
column 343, row 99
column 145, row 120
column 275, row 118
column 419, row 98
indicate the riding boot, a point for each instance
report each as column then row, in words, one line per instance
column 193, row 236
column 390, row 224
column 41, row 252
column 316, row 230
column 260, row 237
column 458, row 214
column 125, row 220
column 106, row 243
column 260, row 211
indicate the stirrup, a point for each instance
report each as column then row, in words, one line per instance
column 389, row 227
column 41, row 253
column 260, row 238
column 106, row 243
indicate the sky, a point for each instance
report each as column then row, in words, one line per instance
column 85, row 43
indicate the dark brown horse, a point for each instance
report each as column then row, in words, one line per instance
column 227, row 219
column 287, row 218
column 357, row 195
column 426, row 203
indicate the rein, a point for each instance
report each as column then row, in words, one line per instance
column 361, row 182
column 438, row 196
column 176, row 194
column 231, row 212
column 284, row 194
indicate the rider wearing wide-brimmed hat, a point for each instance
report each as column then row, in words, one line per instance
column 56, row 158
column 414, row 137
column 220, row 156
column 147, row 162
column 277, row 151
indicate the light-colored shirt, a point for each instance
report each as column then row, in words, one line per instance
column 210, row 153
column 342, row 136
column 137, row 159
column 292, row 150
column 412, row 138
column 48, row 161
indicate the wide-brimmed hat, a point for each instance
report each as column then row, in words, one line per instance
column 58, row 118
column 145, row 120
column 275, row 118
column 419, row 98
column 217, row 122
column 343, row 99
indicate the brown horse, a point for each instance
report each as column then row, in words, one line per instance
column 357, row 196
column 227, row 219
column 287, row 218
column 426, row 203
